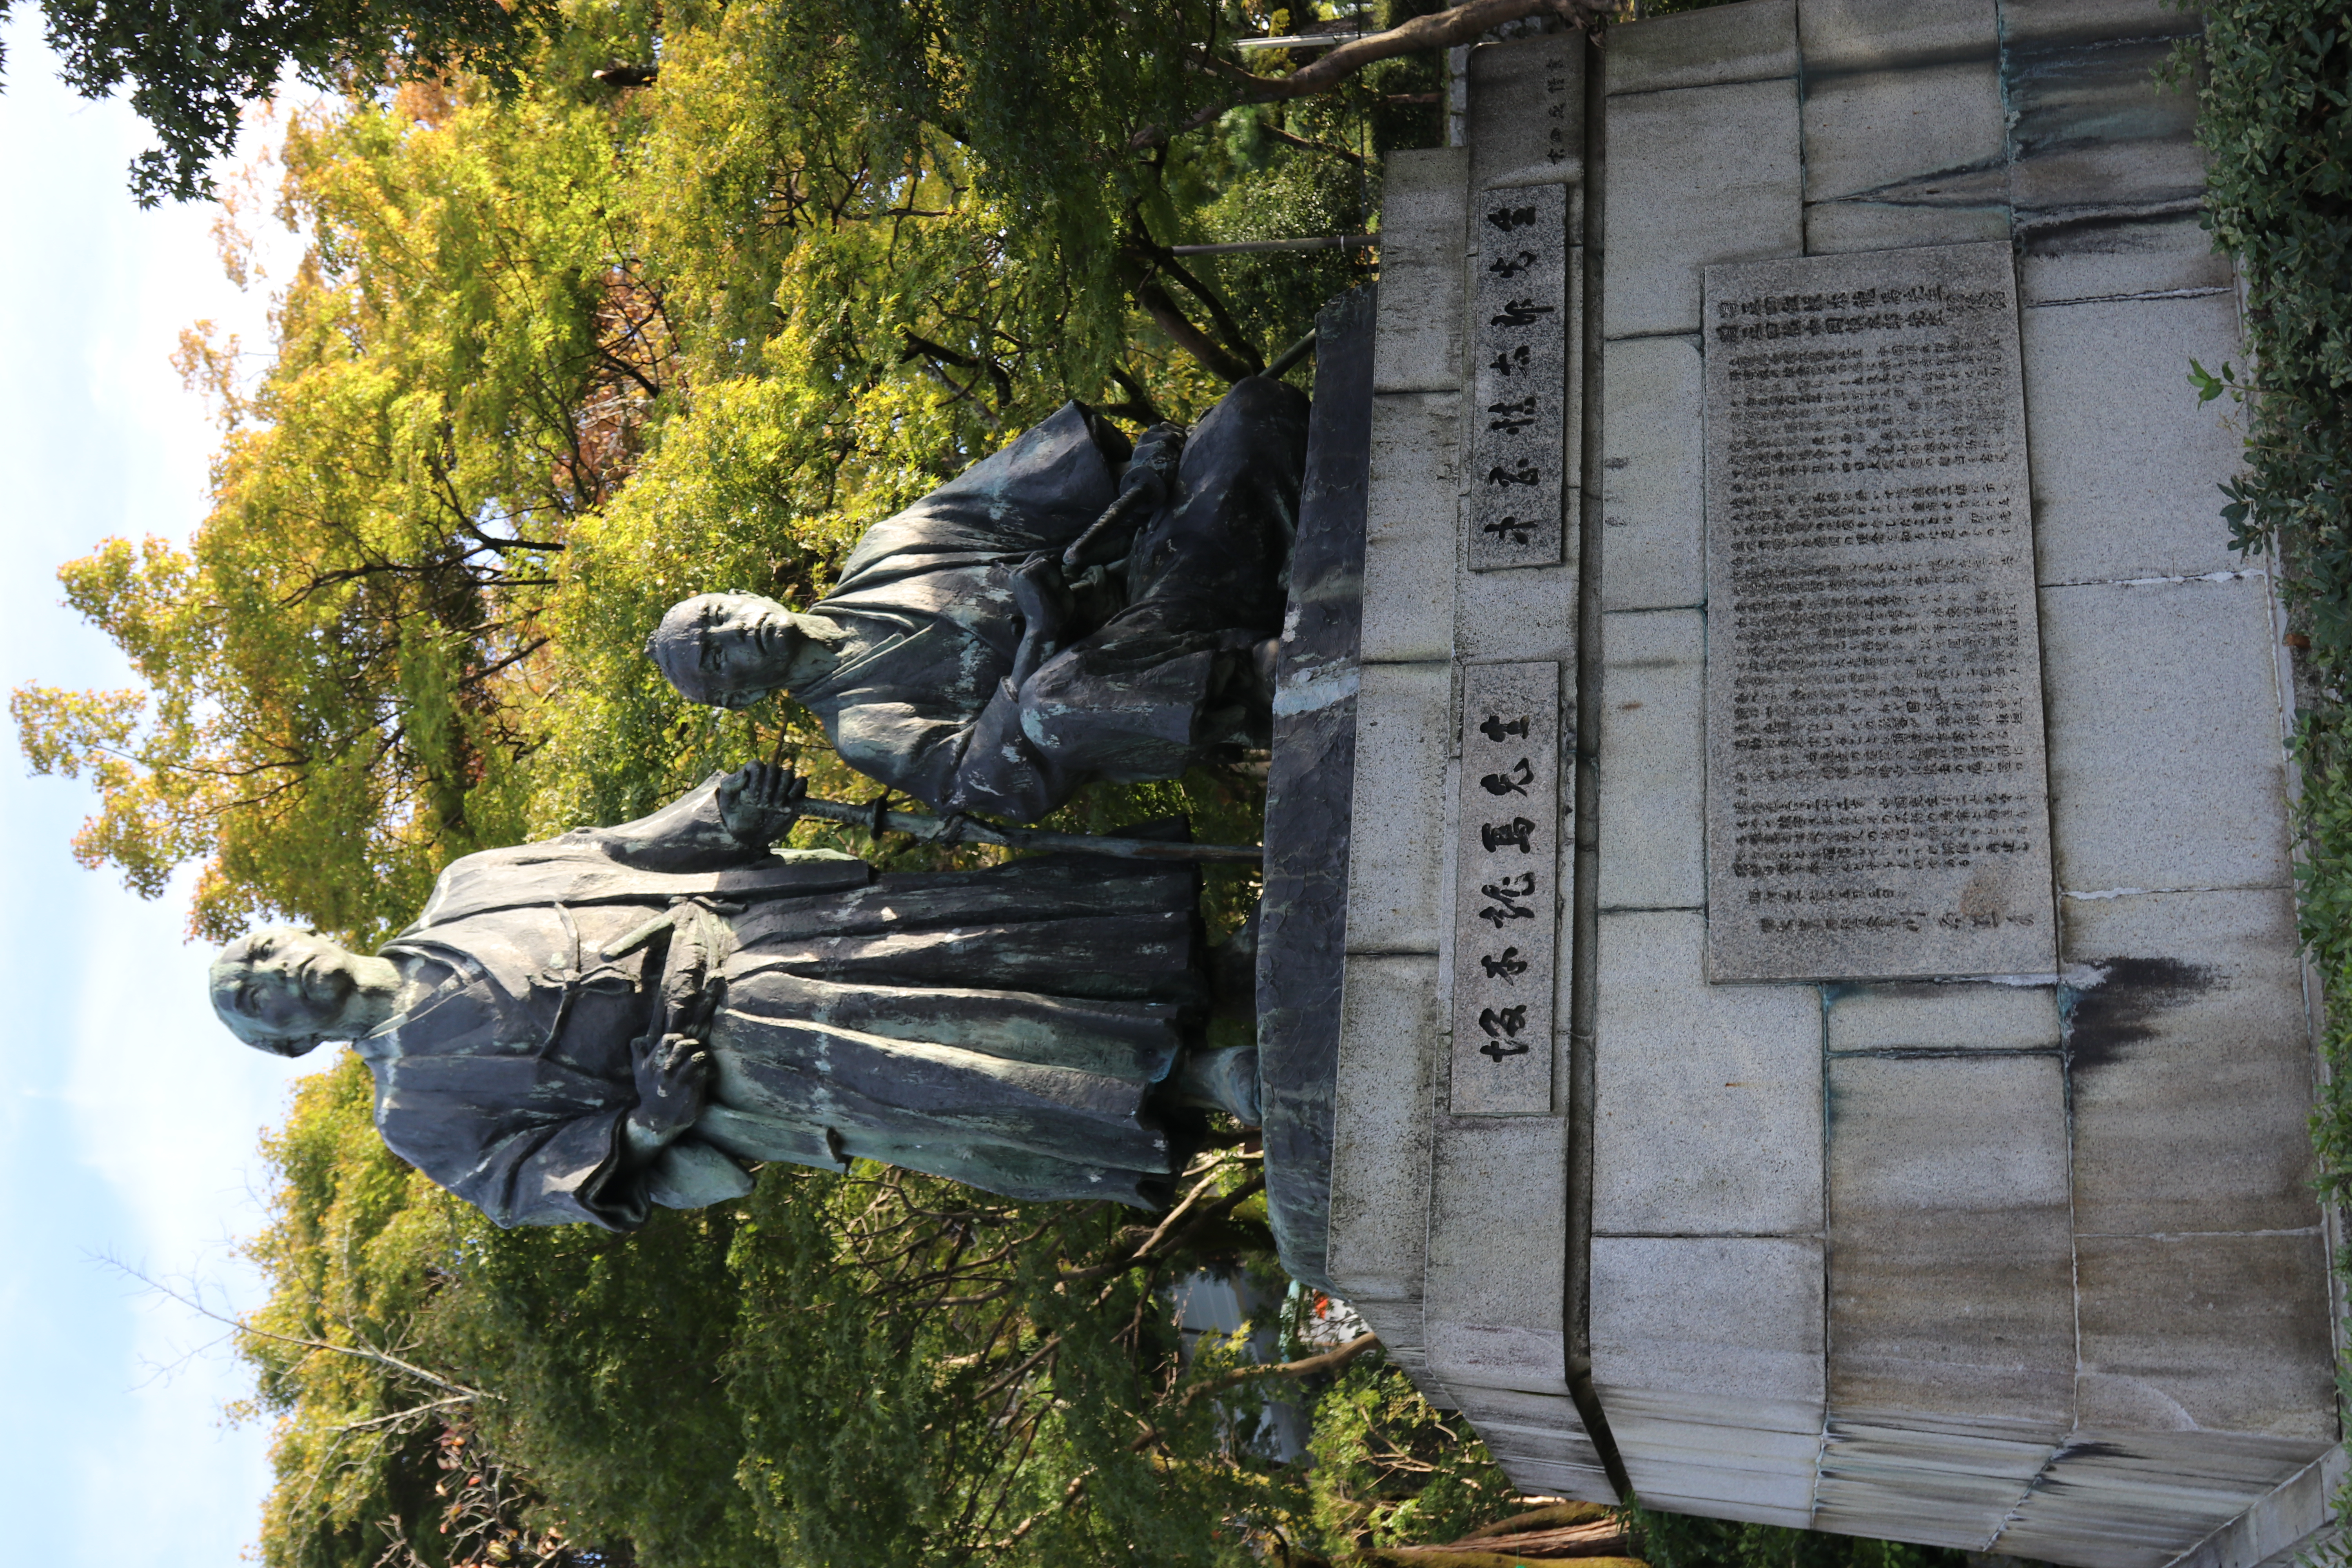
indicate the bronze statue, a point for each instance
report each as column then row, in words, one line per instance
column 627, row 1016
column 1067, row 608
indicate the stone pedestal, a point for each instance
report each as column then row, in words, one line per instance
column 1996, row 1233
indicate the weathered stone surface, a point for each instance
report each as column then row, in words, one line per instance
column 1712, row 1332
column 1526, row 614
column 1707, row 1101
column 1524, row 401
column 2157, row 779
column 1941, row 1488
column 1717, row 175
column 1653, row 750
column 2095, row 135
column 2135, row 1500
column 2191, row 1062
column 1386, row 1090
column 1840, row 36
column 1424, row 198
column 1395, row 882
column 2105, row 257
column 1734, row 44
column 1526, row 111
column 1833, row 227
column 1508, row 896
column 1919, row 135
column 2051, row 23
column 1413, row 518
column 1875, row 794
column 2127, row 462
column 1652, row 474
column 1309, row 788
column 1943, row 1017
column 1950, row 1264
column 1497, row 1253
column 2281, row 1525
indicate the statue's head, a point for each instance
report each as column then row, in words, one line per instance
column 726, row 649
column 285, row 990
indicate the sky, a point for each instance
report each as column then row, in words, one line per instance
column 129, row 1119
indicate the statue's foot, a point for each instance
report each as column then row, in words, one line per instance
column 1225, row 1080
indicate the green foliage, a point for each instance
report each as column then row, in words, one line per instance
column 1391, row 1471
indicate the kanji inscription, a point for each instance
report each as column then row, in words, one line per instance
column 1506, row 890
column 1517, row 414
column 1877, row 795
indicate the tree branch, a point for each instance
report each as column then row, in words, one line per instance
column 1306, row 1366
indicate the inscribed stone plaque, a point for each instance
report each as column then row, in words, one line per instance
column 1520, row 321
column 1877, row 800
column 1506, row 893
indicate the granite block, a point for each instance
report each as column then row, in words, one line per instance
column 1653, row 760
column 2029, row 24
column 1924, row 135
column 1766, row 1496
column 1412, row 514
column 1395, row 875
column 2104, row 257
column 1652, row 474
column 2093, row 132
column 2280, row 1525
column 2128, row 465
column 1529, row 613
column 1696, row 176
column 1423, row 199
column 1752, row 42
column 1309, row 784
column 1526, row 111
column 1956, row 1016
column 1708, row 1507
column 1497, row 1253
column 1385, row 1091
column 2166, row 768
column 2220, row 1333
column 1858, row 224
column 1705, row 1332
column 1951, row 1490
column 2119, row 1499
column 1707, row 1098
column 1841, row 36
column 1951, row 1258
column 2191, row 1066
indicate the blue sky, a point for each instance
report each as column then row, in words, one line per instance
column 128, row 1118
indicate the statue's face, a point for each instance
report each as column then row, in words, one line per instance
column 727, row 649
column 281, row 988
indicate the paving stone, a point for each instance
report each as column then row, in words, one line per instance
column 1957, row 1016
column 2128, row 465
column 1832, row 228
column 1526, row 111
column 1403, row 721
column 1838, row 35
column 1384, row 1093
column 1654, row 760
column 1696, row 176
column 1424, row 198
column 2223, row 1333
column 1652, row 474
column 2191, row 1063
column 2167, row 769
column 1951, row 1258
column 1497, row 1253
column 1704, row 48
column 2104, row 257
column 1923, row 134
column 1707, row 1101
column 1711, row 1332
column 1412, row 515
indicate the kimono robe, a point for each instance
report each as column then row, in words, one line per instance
column 1008, row 1028
column 920, row 698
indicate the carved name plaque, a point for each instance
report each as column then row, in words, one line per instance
column 1506, row 893
column 1876, row 791
column 1519, row 415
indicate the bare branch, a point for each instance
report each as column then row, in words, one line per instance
column 1306, row 1366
